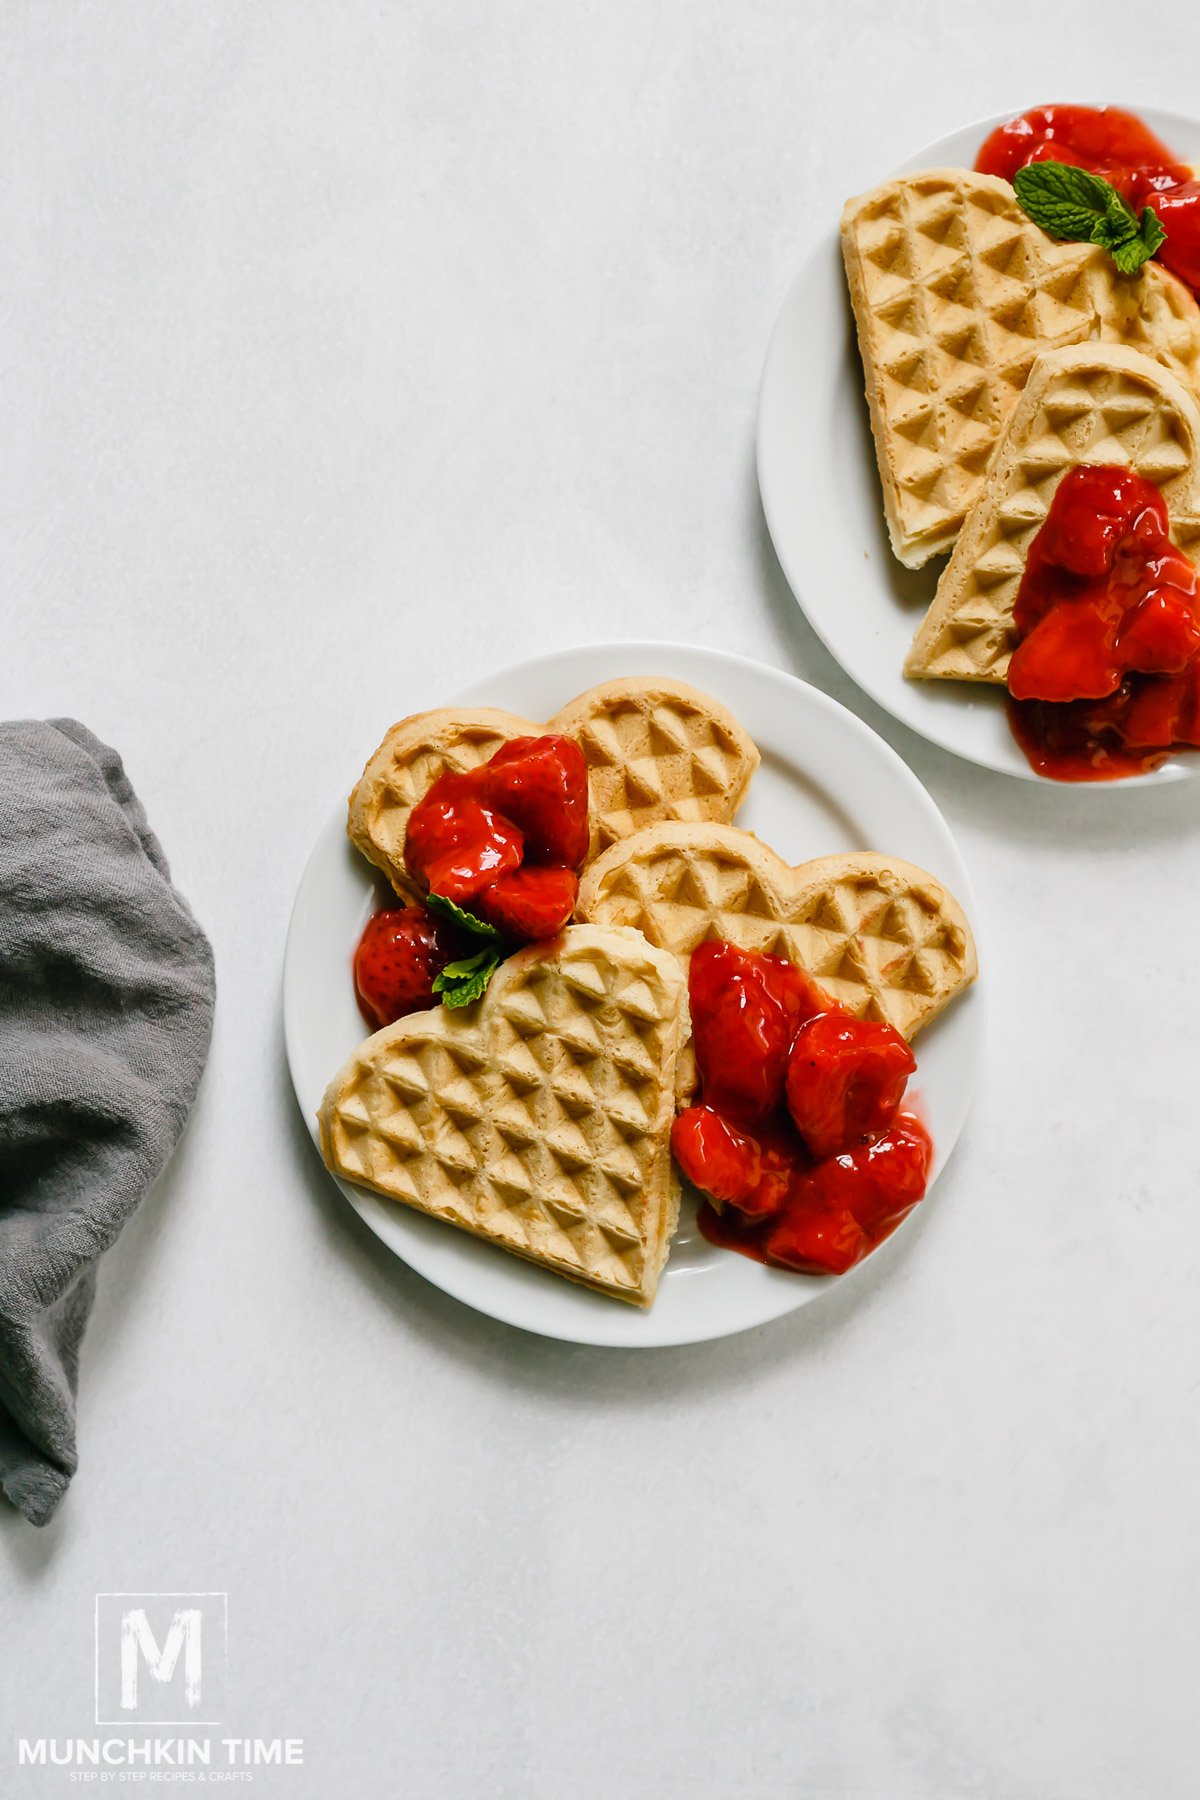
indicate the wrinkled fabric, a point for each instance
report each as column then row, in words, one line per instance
column 106, row 1005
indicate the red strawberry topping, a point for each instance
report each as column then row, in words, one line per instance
column 816, row 1240
column 751, row 1006
column 845, row 1079
column 507, row 839
column 751, row 1173
column 455, row 844
column 531, row 903
column 541, row 784
column 798, row 1142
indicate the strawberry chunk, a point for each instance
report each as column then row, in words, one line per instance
column 401, row 951
column 746, row 1009
column 845, row 1080
column 457, row 845
column 732, row 1167
column 1069, row 655
column 721, row 1161
column 541, row 784
column 1152, row 718
column 816, row 1240
column 529, row 904
column 879, row 1183
column 1179, row 215
column 1085, row 526
column 1161, row 636
column 845, row 1205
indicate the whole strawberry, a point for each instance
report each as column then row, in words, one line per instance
column 399, row 954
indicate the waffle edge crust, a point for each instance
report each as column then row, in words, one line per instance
column 539, row 1118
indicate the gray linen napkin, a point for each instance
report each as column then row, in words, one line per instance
column 106, row 1003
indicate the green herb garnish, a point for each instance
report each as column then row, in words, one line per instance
column 461, row 983
column 1074, row 204
column 465, row 921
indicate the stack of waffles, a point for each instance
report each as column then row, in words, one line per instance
column 996, row 359
column 539, row 1117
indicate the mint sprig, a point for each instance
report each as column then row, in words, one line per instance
column 477, row 928
column 1083, row 208
column 460, row 983
column 463, row 982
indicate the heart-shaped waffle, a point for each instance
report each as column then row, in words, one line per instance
column 655, row 750
column 881, row 937
column 955, row 293
column 540, row 1117
column 1091, row 403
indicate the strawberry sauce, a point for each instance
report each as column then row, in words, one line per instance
column 1105, row 680
column 506, row 840
column 1119, row 147
column 837, row 1212
column 798, row 1139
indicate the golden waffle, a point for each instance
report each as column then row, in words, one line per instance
column 1093, row 403
column 540, row 1117
column 406, row 765
column 955, row 293
column 881, row 937
column 655, row 750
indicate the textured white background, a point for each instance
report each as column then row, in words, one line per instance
column 351, row 350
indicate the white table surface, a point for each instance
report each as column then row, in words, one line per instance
column 352, row 349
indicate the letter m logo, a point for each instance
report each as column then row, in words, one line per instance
column 138, row 1645
column 160, row 1658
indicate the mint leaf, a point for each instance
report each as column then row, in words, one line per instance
column 1118, row 225
column 1065, row 201
column 1151, row 227
column 477, row 928
column 1130, row 255
column 460, row 983
column 1083, row 208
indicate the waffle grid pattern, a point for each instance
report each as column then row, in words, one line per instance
column 956, row 294
column 655, row 750
column 881, row 937
column 652, row 760
column 1082, row 406
column 538, row 1119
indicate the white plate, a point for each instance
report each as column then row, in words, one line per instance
column 824, row 509
column 827, row 783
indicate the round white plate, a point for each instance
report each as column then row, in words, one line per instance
column 824, row 509
column 826, row 783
